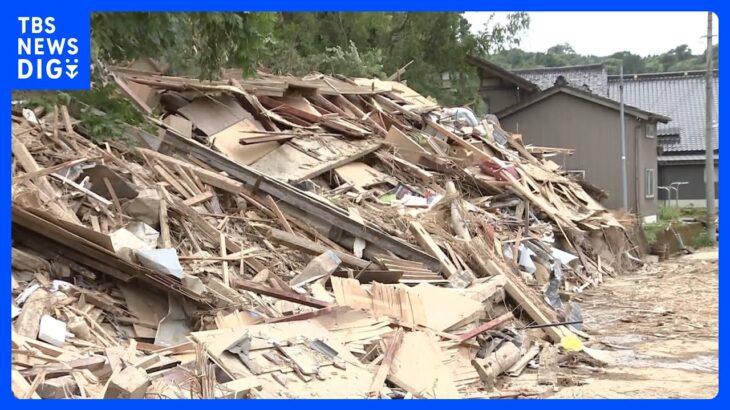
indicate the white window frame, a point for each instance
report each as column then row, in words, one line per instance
column 649, row 183
column 650, row 131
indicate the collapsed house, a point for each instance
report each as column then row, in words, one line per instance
column 317, row 237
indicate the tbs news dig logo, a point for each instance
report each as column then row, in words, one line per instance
column 43, row 52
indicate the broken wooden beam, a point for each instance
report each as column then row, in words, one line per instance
column 280, row 294
column 303, row 244
column 486, row 326
column 392, row 347
column 426, row 241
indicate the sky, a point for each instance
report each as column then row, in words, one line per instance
column 603, row 33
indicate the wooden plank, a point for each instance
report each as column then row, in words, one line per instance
column 328, row 166
column 411, row 168
column 113, row 194
column 201, row 197
column 391, row 105
column 533, row 310
column 214, row 114
column 279, row 294
column 208, row 177
column 361, row 175
column 547, row 373
column 38, row 233
column 165, row 174
column 486, row 326
column 419, row 368
column 407, row 147
column 303, row 244
column 21, row 387
column 279, row 215
column 311, row 207
column 266, row 138
column 426, row 241
column 164, row 225
column 228, row 141
column 226, row 274
column 458, row 140
column 49, row 170
column 283, row 107
column 93, row 195
column 347, row 104
column 180, row 124
column 392, row 347
column 321, row 101
column 189, row 183
column 29, row 164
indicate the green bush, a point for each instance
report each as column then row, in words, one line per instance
column 651, row 230
column 703, row 239
column 667, row 213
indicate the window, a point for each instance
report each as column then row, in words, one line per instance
column 649, row 187
column 651, row 131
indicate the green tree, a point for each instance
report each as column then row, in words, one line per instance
column 437, row 43
column 192, row 43
column 679, row 58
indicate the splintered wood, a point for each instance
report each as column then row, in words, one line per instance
column 316, row 237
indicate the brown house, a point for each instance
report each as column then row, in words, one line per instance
column 569, row 115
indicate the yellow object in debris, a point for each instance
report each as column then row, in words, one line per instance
column 571, row 343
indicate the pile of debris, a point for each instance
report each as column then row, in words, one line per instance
column 294, row 237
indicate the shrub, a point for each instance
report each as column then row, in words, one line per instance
column 703, row 239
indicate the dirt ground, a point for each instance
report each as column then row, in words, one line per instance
column 656, row 331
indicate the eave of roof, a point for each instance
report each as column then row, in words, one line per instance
column 658, row 76
column 587, row 96
column 561, row 68
column 502, row 73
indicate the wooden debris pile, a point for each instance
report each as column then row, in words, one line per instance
column 294, row 237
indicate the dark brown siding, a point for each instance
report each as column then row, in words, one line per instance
column 692, row 173
column 594, row 132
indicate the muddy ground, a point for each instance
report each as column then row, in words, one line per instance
column 657, row 331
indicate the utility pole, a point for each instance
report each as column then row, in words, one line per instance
column 709, row 140
column 623, row 142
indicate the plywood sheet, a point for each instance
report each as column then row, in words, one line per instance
column 352, row 382
column 180, row 124
column 214, row 114
column 419, row 368
column 426, row 305
column 360, row 174
column 445, row 308
column 407, row 148
column 228, row 142
column 285, row 162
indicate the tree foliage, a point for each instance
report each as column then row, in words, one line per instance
column 437, row 43
column 356, row 44
column 679, row 58
column 192, row 43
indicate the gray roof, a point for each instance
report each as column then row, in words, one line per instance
column 593, row 77
column 680, row 96
column 685, row 158
column 584, row 95
column 502, row 73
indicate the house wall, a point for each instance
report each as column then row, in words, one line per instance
column 566, row 121
column 497, row 100
column 646, row 149
column 692, row 173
